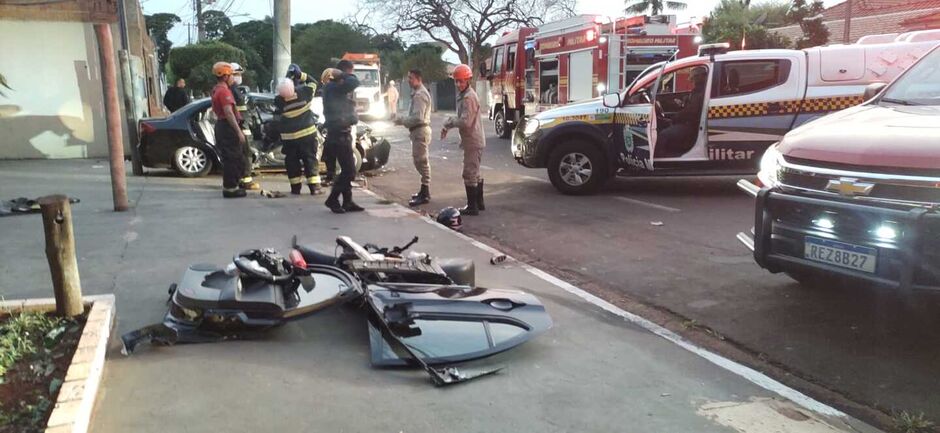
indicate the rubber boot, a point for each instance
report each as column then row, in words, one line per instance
column 250, row 185
column 237, row 193
column 471, row 208
column 422, row 197
column 349, row 205
column 314, row 189
column 332, row 202
column 295, row 188
column 480, row 196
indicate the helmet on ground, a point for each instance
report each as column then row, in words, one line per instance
column 293, row 71
column 463, row 72
column 221, row 69
column 450, row 217
column 236, row 68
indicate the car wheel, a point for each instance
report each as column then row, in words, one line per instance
column 191, row 161
column 502, row 127
column 577, row 168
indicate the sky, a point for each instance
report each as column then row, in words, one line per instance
column 303, row 11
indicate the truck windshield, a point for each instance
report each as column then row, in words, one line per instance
column 919, row 86
column 367, row 77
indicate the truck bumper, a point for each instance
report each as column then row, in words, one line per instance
column 525, row 148
column 783, row 222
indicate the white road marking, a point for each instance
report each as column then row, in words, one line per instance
column 647, row 204
column 748, row 373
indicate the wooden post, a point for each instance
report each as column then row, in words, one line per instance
column 112, row 110
column 60, row 251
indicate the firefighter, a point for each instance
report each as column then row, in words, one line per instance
column 339, row 109
column 241, row 104
column 298, row 133
column 418, row 123
column 472, row 138
column 229, row 137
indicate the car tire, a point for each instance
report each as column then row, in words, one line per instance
column 577, row 168
column 501, row 125
column 191, row 161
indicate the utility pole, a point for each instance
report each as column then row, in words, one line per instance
column 200, row 26
column 112, row 108
column 846, row 37
column 281, row 37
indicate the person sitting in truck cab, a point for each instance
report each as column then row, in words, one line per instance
column 681, row 128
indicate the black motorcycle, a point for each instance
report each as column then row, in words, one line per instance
column 421, row 311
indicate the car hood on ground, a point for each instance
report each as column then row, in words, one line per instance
column 905, row 137
column 589, row 106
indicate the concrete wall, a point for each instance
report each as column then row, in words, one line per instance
column 56, row 107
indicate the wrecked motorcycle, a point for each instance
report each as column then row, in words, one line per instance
column 421, row 311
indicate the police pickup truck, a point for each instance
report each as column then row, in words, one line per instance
column 746, row 101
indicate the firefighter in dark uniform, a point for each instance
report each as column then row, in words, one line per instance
column 229, row 137
column 339, row 109
column 298, row 133
column 241, row 104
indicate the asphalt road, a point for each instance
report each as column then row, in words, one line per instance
column 855, row 347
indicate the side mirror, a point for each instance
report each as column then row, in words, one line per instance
column 873, row 90
column 612, row 100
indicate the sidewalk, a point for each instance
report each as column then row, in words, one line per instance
column 593, row 372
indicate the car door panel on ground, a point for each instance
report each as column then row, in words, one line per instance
column 740, row 129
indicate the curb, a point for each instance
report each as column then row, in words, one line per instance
column 76, row 398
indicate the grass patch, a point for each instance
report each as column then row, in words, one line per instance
column 35, row 352
column 905, row 422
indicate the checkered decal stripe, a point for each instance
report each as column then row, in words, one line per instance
column 814, row 105
column 632, row 118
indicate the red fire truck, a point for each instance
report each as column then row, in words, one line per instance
column 579, row 58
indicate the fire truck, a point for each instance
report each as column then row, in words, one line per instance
column 575, row 59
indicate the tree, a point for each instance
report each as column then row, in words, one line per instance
column 639, row 7
column 425, row 57
column 809, row 16
column 255, row 38
column 215, row 23
column 463, row 26
column 194, row 62
column 158, row 25
column 319, row 43
column 733, row 20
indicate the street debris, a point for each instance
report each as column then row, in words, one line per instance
column 497, row 259
column 656, row 223
column 397, row 291
column 272, row 194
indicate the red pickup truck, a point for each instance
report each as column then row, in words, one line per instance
column 856, row 195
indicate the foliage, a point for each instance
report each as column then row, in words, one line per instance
column 215, row 23
column 733, row 21
column 803, row 12
column 158, row 25
column 194, row 62
column 427, row 58
column 639, row 7
column 318, row 44
column 905, row 422
column 255, row 39
column 23, row 335
column 463, row 26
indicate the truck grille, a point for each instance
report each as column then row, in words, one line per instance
column 893, row 188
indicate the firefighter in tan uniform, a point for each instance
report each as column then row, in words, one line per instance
column 472, row 138
column 418, row 123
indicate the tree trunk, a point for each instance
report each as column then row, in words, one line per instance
column 60, row 252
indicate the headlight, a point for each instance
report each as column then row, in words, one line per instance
column 769, row 165
column 531, row 125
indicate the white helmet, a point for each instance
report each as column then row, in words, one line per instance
column 237, row 69
column 285, row 88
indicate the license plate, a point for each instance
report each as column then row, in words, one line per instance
column 841, row 254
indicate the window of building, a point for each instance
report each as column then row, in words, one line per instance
column 749, row 76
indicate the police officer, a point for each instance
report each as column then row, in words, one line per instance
column 328, row 158
column 418, row 123
column 472, row 138
column 298, row 133
column 339, row 109
column 241, row 104
column 229, row 137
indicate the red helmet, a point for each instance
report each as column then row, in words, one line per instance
column 463, row 72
